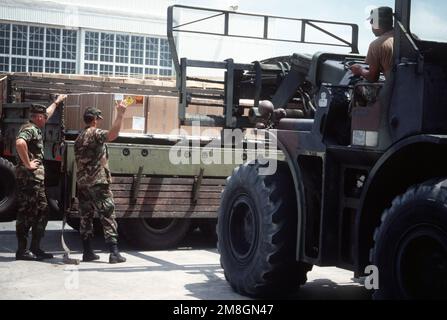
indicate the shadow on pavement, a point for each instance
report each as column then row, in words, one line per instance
column 319, row 289
column 52, row 242
column 325, row 289
column 214, row 287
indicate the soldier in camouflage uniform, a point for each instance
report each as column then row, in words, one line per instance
column 32, row 211
column 93, row 183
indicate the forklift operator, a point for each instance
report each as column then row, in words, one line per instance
column 380, row 52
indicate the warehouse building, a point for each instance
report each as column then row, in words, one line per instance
column 85, row 37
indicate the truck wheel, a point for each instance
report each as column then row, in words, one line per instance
column 256, row 230
column 154, row 233
column 410, row 247
column 8, row 190
column 208, row 229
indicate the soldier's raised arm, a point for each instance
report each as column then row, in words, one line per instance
column 55, row 104
column 116, row 126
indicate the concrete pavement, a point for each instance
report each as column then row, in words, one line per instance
column 191, row 272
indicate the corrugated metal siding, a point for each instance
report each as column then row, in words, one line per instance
column 80, row 17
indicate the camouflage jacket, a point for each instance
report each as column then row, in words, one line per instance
column 91, row 158
column 33, row 137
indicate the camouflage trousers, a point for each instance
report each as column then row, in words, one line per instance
column 32, row 211
column 97, row 198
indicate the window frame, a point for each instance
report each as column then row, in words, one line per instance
column 39, row 63
column 114, row 65
column 43, row 58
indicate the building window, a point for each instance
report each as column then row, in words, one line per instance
column 91, row 46
column 53, row 43
column 137, row 50
column 136, row 72
column 151, row 71
column 165, row 54
column 35, row 65
column 152, row 51
column 107, row 47
column 4, row 64
column 36, row 41
column 18, row 65
column 122, row 49
column 69, row 39
column 34, row 48
column 30, row 48
column 51, row 66
column 106, row 70
column 68, row 67
column 5, row 33
column 166, row 72
column 90, row 68
column 121, row 71
column 116, row 54
column 19, row 39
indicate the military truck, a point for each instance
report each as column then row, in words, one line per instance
column 364, row 183
column 157, row 200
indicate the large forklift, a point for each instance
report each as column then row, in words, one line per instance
column 364, row 180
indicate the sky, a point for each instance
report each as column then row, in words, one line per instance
column 428, row 22
column 350, row 11
column 245, row 51
column 429, row 14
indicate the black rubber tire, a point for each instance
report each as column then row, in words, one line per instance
column 208, row 228
column 154, row 234
column 256, row 229
column 410, row 248
column 8, row 190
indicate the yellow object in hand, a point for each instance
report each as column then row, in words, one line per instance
column 128, row 101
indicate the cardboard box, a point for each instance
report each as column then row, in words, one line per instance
column 77, row 104
column 72, row 115
column 105, row 104
column 148, row 114
column 134, row 120
column 162, row 115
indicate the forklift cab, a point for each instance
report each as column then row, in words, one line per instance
column 411, row 101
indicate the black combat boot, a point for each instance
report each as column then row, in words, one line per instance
column 39, row 253
column 88, row 254
column 22, row 253
column 115, row 256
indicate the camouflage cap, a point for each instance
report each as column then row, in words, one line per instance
column 38, row 108
column 93, row 112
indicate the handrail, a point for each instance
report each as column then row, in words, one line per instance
column 305, row 23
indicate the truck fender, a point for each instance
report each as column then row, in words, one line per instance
column 409, row 162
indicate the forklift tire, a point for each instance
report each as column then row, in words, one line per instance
column 154, row 233
column 8, row 190
column 257, row 230
column 410, row 249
